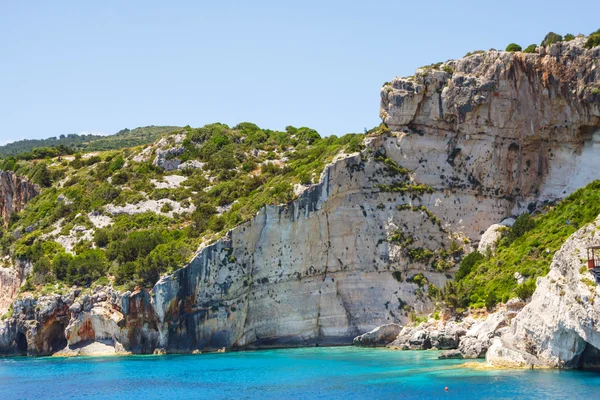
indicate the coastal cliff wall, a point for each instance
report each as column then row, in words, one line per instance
column 471, row 142
column 15, row 192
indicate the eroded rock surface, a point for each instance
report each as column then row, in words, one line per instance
column 15, row 192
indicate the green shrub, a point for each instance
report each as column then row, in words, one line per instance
column 525, row 290
column 87, row 267
column 467, row 264
column 569, row 37
column 593, row 41
column 523, row 223
column 530, row 49
column 420, row 254
column 551, row 38
column 448, row 69
column 513, row 47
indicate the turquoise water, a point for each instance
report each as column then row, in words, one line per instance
column 310, row 373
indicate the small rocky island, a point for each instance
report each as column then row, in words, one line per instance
column 460, row 223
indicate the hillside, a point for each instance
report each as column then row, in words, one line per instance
column 123, row 215
column 68, row 144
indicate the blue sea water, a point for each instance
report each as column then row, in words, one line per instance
column 309, row 373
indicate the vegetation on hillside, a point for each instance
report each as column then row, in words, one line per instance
column 31, row 149
column 233, row 172
column 527, row 248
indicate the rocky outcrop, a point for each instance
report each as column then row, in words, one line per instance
column 15, row 192
column 523, row 127
column 81, row 324
column 440, row 335
column 560, row 326
column 380, row 336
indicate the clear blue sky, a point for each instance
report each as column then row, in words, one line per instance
column 100, row 66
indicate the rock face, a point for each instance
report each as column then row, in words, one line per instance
column 15, row 192
column 519, row 126
column 471, row 144
column 380, row 336
column 560, row 326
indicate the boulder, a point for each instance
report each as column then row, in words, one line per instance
column 380, row 336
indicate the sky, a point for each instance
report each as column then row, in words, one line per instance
column 98, row 67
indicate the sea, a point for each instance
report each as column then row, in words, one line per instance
column 305, row 373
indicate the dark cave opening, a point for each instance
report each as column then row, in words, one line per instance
column 589, row 358
column 56, row 337
column 21, row 343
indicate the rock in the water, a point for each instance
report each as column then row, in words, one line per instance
column 448, row 354
column 479, row 337
column 380, row 336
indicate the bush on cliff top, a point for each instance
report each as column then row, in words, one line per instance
column 593, row 41
column 530, row 49
column 551, row 38
column 513, row 47
column 528, row 248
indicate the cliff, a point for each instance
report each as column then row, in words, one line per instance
column 15, row 192
column 472, row 142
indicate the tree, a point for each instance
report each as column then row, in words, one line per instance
column 530, row 49
column 551, row 38
column 513, row 47
column 60, row 265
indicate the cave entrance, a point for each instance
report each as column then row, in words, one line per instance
column 21, row 343
column 56, row 337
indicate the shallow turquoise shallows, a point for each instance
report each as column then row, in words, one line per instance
column 311, row 373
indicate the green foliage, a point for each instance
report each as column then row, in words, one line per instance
column 568, row 37
column 467, row 264
column 593, row 41
column 513, row 47
column 404, row 187
column 401, row 239
column 448, row 69
column 523, row 223
column 530, row 252
column 491, row 300
column 525, row 290
column 418, row 279
column 68, row 144
column 551, row 38
column 86, row 267
column 420, row 254
column 138, row 248
column 40, row 174
column 530, row 49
